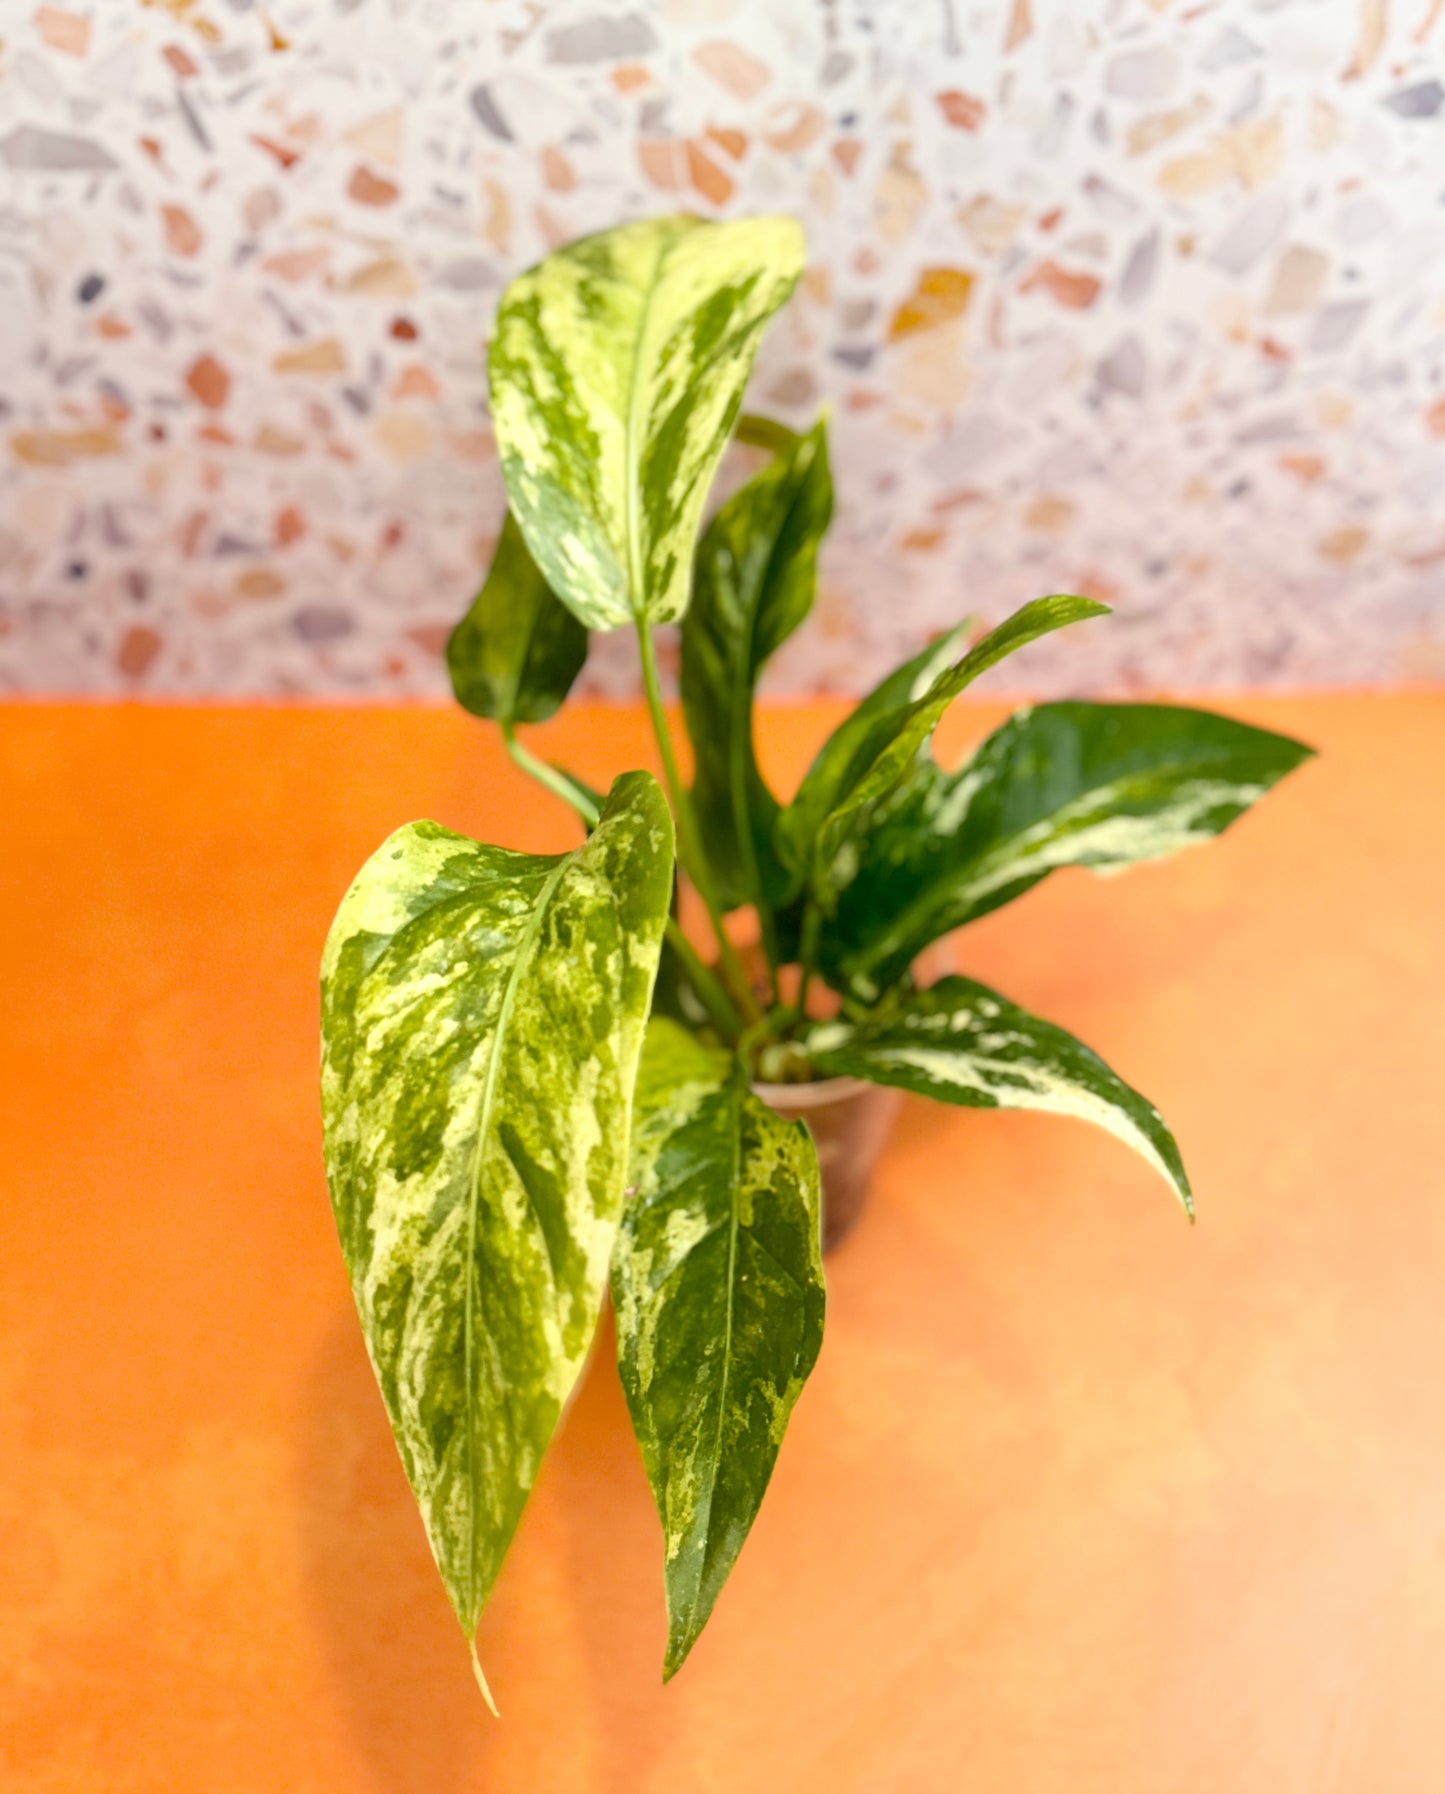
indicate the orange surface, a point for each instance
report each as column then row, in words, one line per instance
column 1078, row 1499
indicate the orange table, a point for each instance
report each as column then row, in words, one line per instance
column 1079, row 1501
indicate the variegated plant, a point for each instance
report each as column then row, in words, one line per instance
column 534, row 1084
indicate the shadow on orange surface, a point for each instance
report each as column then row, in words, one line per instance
column 390, row 1640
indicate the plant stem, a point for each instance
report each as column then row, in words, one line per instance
column 808, row 953
column 689, row 840
column 557, row 783
column 712, row 993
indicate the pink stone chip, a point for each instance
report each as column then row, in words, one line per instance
column 208, row 381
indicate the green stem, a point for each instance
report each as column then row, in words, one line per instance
column 711, row 991
column 556, row 782
column 689, row 840
column 808, row 953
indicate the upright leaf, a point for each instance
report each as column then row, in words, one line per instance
column 516, row 652
column 960, row 1042
column 617, row 369
column 796, row 826
column 842, row 789
column 717, row 1282
column 1098, row 785
column 482, row 1018
column 753, row 585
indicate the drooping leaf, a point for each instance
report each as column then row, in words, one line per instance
column 841, row 791
column 482, row 1018
column 516, row 652
column 960, row 1042
column 1098, row 785
column 717, row 1283
column 617, row 370
column 753, row 585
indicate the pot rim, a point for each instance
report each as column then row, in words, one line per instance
column 816, row 1093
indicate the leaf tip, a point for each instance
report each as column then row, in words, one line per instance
column 1088, row 607
column 481, row 1680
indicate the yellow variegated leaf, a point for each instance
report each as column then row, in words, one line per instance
column 482, row 1017
column 960, row 1042
column 718, row 1287
column 617, row 370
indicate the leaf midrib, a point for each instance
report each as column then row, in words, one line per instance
column 533, row 608
column 525, row 948
column 634, row 432
column 745, row 670
column 735, row 1134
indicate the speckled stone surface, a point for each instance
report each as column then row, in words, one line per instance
column 1144, row 298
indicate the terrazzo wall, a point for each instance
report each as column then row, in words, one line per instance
column 1144, row 298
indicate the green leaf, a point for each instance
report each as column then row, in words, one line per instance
column 754, row 582
column 482, row 1019
column 839, row 794
column 960, row 1042
column 617, row 370
column 796, row 826
column 1099, row 785
column 717, row 1283
column 516, row 652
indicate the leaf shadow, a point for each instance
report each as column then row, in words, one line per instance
column 612, row 1544
column 393, row 1646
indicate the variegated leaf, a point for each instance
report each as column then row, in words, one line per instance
column 840, row 793
column 754, row 581
column 717, row 1283
column 617, row 370
column 1098, row 785
column 516, row 652
column 482, row 1018
column 960, row 1042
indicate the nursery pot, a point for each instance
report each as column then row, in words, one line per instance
column 850, row 1122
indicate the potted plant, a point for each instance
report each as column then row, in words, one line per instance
column 535, row 1085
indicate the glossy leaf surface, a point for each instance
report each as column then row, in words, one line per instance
column 841, row 791
column 617, row 370
column 754, row 582
column 717, row 1284
column 960, row 1042
column 482, row 1017
column 1100, row 785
